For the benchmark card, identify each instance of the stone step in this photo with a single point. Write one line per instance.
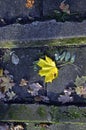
(37, 113)
(27, 86)
(43, 126)
(20, 11)
(12, 9)
(73, 42)
(74, 6)
(42, 31)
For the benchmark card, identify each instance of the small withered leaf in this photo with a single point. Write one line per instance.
(64, 7)
(23, 82)
(29, 3)
(18, 127)
(1, 72)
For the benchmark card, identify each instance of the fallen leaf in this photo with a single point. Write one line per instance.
(49, 69)
(6, 72)
(7, 82)
(33, 93)
(30, 3)
(37, 98)
(34, 88)
(2, 96)
(64, 7)
(67, 56)
(1, 72)
(10, 95)
(43, 125)
(81, 91)
(80, 81)
(23, 82)
(6, 56)
(68, 91)
(2, 89)
(18, 127)
(45, 98)
(65, 98)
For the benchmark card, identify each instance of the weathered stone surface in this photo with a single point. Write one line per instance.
(24, 112)
(68, 126)
(49, 6)
(25, 70)
(42, 31)
(44, 126)
(13, 8)
(76, 6)
(59, 126)
(42, 113)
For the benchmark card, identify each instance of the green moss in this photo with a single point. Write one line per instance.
(54, 112)
(42, 128)
(55, 42)
(71, 113)
(41, 111)
(18, 112)
(8, 44)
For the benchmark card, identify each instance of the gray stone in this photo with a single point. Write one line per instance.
(68, 73)
(76, 6)
(32, 112)
(42, 113)
(50, 5)
(68, 127)
(25, 69)
(14, 8)
(42, 31)
(59, 126)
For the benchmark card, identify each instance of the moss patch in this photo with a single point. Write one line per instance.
(8, 44)
(18, 112)
(55, 42)
(41, 111)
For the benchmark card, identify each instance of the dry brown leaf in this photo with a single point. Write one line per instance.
(43, 125)
(6, 82)
(64, 7)
(81, 91)
(17, 127)
(29, 3)
(1, 72)
(37, 98)
(23, 82)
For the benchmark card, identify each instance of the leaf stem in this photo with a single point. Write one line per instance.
(69, 63)
(46, 88)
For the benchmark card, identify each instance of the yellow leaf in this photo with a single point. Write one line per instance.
(49, 69)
